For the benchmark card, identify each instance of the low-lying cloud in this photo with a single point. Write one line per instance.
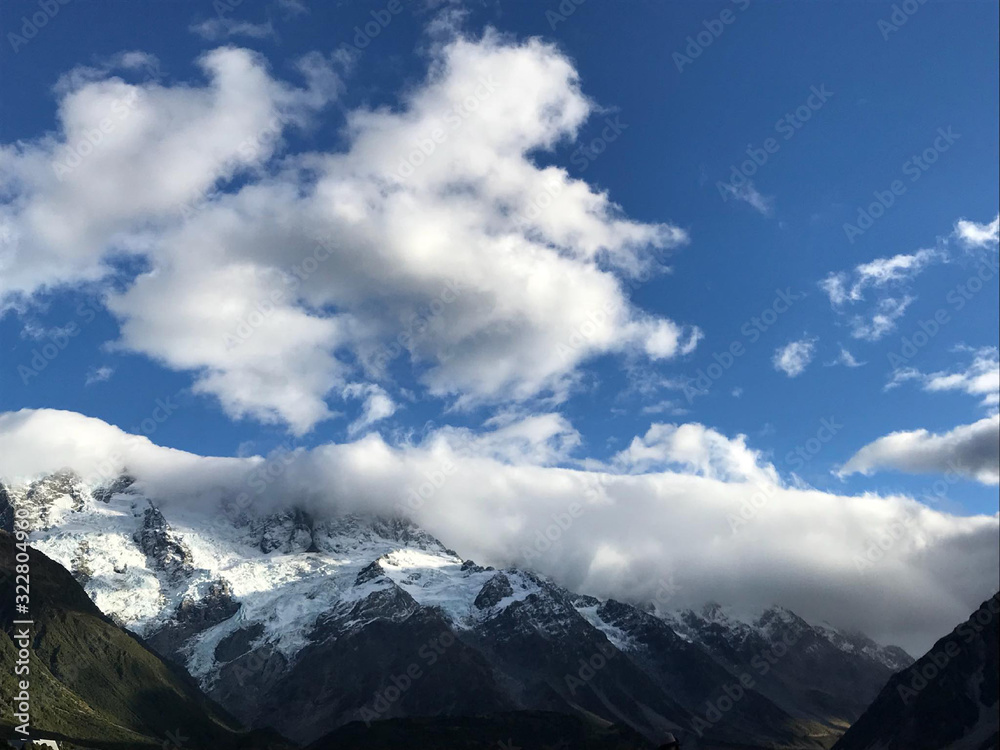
(489, 494)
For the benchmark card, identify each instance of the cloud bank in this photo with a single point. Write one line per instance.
(491, 495)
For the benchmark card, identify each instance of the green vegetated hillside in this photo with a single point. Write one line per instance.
(96, 684)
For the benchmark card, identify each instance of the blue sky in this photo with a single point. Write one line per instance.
(659, 140)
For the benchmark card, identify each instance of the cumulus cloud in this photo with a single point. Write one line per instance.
(801, 546)
(433, 239)
(695, 449)
(973, 235)
(793, 358)
(980, 378)
(847, 288)
(971, 451)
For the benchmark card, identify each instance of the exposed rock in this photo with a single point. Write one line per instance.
(161, 548)
(194, 616)
(104, 493)
(496, 589)
(238, 643)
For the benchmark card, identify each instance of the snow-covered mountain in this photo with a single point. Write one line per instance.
(305, 624)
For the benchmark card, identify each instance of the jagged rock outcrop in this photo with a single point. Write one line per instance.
(161, 548)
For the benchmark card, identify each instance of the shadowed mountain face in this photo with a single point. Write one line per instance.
(306, 625)
(811, 672)
(521, 730)
(95, 683)
(947, 699)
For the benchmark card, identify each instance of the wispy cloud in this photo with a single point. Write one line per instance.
(748, 193)
(980, 378)
(846, 359)
(848, 288)
(99, 375)
(215, 29)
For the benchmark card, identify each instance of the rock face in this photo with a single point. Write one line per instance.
(307, 623)
(162, 549)
(6, 510)
(947, 699)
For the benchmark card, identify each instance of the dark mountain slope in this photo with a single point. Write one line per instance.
(529, 730)
(946, 699)
(95, 683)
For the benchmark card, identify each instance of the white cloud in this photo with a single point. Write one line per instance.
(99, 375)
(846, 289)
(980, 378)
(378, 405)
(695, 449)
(793, 358)
(747, 193)
(846, 359)
(971, 451)
(433, 237)
(973, 235)
(800, 546)
(218, 28)
(665, 406)
(881, 319)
